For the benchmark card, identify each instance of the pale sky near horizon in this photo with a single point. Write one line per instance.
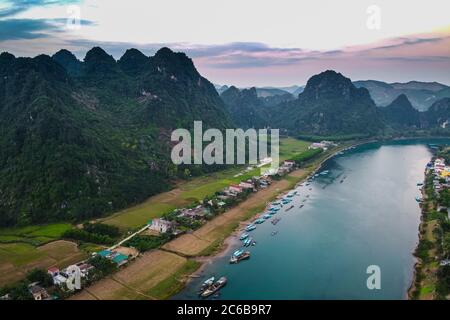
(248, 42)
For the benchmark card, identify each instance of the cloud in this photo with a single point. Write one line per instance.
(14, 7)
(13, 29)
(16, 29)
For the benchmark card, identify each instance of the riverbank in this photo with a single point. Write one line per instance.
(208, 255)
(428, 284)
(194, 250)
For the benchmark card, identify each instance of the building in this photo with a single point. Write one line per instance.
(53, 271)
(235, 188)
(38, 292)
(119, 258)
(161, 225)
(322, 145)
(246, 185)
(198, 212)
(289, 163)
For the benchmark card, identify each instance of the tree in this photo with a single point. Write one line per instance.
(39, 275)
(20, 292)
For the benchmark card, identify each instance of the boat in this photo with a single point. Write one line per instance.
(248, 242)
(275, 221)
(418, 199)
(419, 184)
(243, 236)
(259, 221)
(301, 206)
(276, 203)
(208, 282)
(250, 227)
(289, 208)
(267, 216)
(274, 209)
(243, 256)
(238, 252)
(214, 287)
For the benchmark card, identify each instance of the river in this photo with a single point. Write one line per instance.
(362, 213)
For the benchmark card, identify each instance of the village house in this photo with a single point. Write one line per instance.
(247, 186)
(38, 292)
(161, 225)
(235, 188)
(322, 145)
(197, 213)
(289, 163)
(119, 258)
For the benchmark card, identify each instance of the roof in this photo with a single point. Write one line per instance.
(53, 269)
(120, 258)
(104, 253)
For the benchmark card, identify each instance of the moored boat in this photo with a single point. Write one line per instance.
(236, 259)
(250, 227)
(243, 236)
(214, 287)
(259, 221)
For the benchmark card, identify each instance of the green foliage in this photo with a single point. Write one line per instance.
(18, 291)
(443, 286)
(306, 155)
(82, 235)
(423, 248)
(41, 276)
(145, 243)
(102, 229)
(103, 266)
(347, 137)
(82, 139)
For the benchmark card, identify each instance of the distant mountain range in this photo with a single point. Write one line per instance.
(421, 94)
(264, 92)
(331, 105)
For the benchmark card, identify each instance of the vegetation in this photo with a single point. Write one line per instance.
(335, 138)
(103, 267)
(144, 243)
(82, 139)
(307, 155)
(82, 235)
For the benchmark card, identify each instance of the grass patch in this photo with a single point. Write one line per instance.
(34, 235)
(19, 254)
(175, 282)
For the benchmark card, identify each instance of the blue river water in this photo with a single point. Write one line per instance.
(363, 212)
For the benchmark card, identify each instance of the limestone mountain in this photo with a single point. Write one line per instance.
(330, 104)
(401, 114)
(83, 138)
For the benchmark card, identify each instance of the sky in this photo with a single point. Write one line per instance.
(247, 42)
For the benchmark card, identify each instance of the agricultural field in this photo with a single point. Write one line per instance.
(16, 259)
(25, 248)
(33, 235)
(155, 275)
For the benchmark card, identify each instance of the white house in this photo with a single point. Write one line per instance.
(161, 225)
